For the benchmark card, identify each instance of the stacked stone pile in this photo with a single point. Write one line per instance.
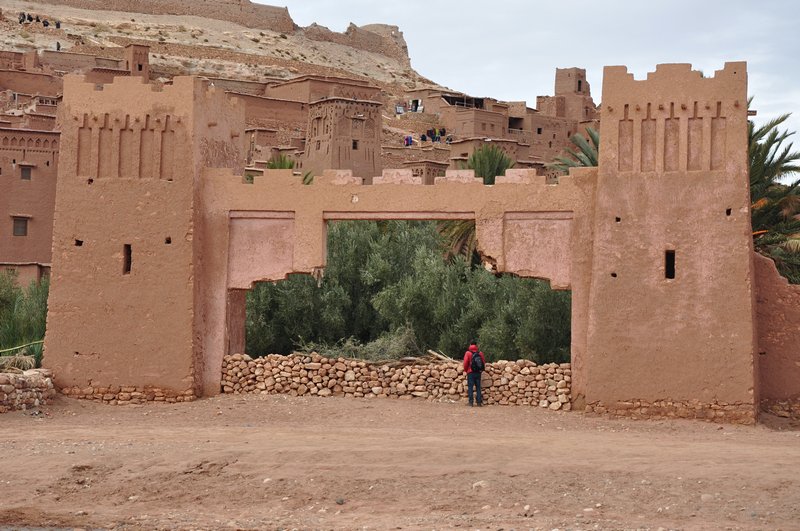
(504, 382)
(27, 390)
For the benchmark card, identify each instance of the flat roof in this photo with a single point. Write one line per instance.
(244, 94)
(351, 100)
(23, 130)
(331, 79)
(426, 161)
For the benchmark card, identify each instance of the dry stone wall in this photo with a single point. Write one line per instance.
(123, 395)
(504, 382)
(30, 389)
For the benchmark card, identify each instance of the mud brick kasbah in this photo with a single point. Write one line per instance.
(666, 320)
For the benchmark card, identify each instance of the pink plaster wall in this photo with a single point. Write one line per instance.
(778, 312)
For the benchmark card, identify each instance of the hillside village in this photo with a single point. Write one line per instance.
(320, 99)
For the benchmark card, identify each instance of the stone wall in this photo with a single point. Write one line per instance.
(122, 395)
(27, 390)
(504, 382)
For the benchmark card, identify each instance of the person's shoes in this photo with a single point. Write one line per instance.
(469, 405)
(480, 404)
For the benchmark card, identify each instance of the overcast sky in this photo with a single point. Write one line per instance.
(509, 49)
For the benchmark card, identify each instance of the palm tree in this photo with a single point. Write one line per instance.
(775, 205)
(585, 155)
(488, 162)
(280, 162)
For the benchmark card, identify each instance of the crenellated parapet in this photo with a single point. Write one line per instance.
(156, 225)
(676, 120)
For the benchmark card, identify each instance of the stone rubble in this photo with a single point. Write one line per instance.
(518, 382)
(789, 409)
(24, 391)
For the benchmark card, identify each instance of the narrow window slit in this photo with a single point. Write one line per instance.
(126, 266)
(669, 264)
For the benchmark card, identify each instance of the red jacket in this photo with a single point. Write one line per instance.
(468, 358)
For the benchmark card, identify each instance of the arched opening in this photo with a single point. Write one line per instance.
(394, 289)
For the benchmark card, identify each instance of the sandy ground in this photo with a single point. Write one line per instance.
(279, 462)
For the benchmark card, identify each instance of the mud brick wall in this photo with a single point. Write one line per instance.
(30, 389)
(504, 382)
(736, 413)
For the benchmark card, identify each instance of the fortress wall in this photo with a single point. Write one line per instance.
(241, 12)
(778, 312)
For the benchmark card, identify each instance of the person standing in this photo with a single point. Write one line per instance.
(474, 364)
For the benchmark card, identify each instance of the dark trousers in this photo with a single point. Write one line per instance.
(474, 378)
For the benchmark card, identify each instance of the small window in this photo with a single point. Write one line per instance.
(355, 144)
(25, 173)
(538, 130)
(139, 67)
(669, 264)
(20, 226)
(580, 84)
(127, 259)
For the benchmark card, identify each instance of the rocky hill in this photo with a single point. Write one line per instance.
(218, 38)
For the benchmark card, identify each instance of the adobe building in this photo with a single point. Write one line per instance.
(539, 134)
(30, 93)
(28, 166)
(665, 318)
(343, 133)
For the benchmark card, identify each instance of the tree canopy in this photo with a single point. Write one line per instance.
(392, 279)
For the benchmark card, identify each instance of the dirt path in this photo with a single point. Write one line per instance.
(274, 462)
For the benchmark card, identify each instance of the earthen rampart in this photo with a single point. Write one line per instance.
(31, 82)
(662, 315)
(778, 312)
(240, 12)
(387, 41)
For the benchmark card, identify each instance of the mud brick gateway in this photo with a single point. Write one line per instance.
(157, 237)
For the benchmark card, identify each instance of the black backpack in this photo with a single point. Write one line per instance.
(477, 364)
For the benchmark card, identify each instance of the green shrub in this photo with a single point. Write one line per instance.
(23, 314)
(388, 282)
